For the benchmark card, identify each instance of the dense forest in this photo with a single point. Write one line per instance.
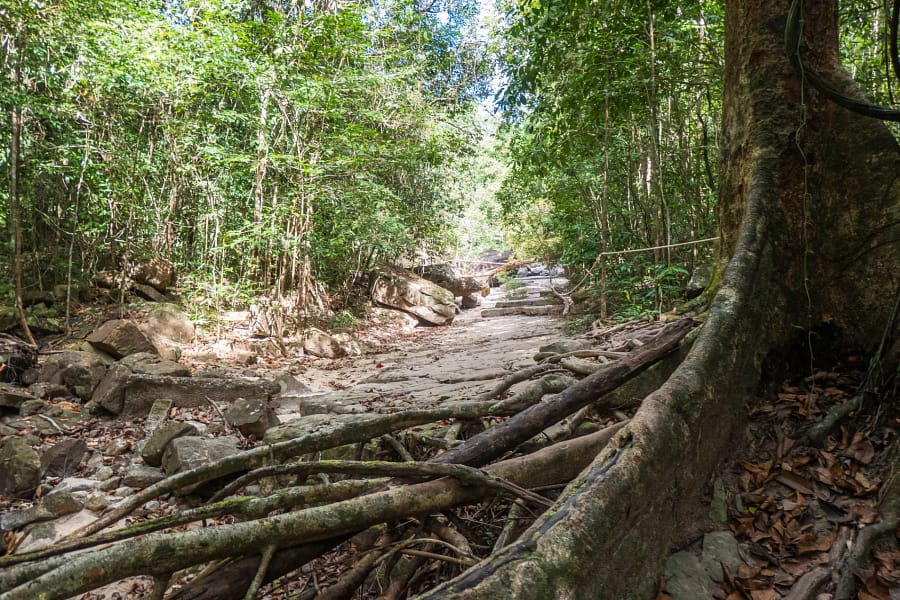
(283, 148)
(293, 161)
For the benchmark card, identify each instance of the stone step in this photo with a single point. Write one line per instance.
(531, 311)
(528, 302)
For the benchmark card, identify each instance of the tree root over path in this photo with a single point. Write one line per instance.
(324, 516)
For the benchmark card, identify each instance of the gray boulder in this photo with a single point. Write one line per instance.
(110, 393)
(699, 281)
(141, 476)
(52, 506)
(63, 458)
(252, 417)
(80, 372)
(142, 391)
(186, 453)
(319, 343)
(445, 276)
(20, 468)
(157, 272)
(471, 301)
(119, 338)
(147, 363)
(169, 321)
(76, 484)
(408, 292)
(155, 445)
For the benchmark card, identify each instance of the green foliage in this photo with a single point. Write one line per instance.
(611, 134)
(259, 146)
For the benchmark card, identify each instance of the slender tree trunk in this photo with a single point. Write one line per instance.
(14, 55)
(604, 212)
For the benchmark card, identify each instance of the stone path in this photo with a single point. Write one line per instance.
(455, 362)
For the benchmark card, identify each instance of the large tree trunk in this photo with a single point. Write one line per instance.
(808, 216)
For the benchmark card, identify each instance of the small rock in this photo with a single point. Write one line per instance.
(110, 392)
(153, 505)
(718, 507)
(471, 301)
(564, 346)
(319, 343)
(104, 473)
(155, 445)
(252, 417)
(142, 476)
(117, 447)
(76, 484)
(290, 385)
(159, 412)
(96, 502)
(686, 579)
(63, 458)
(119, 338)
(720, 548)
(123, 492)
(46, 390)
(110, 484)
(33, 407)
(20, 468)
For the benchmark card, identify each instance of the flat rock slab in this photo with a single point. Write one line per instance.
(531, 311)
(13, 397)
(528, 302)
(141, 391)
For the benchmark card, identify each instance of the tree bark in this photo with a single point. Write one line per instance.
(808, 215)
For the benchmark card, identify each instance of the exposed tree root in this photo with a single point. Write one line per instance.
(162, 554)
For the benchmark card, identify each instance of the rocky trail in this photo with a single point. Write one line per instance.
(427, 366)
(504, 388)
